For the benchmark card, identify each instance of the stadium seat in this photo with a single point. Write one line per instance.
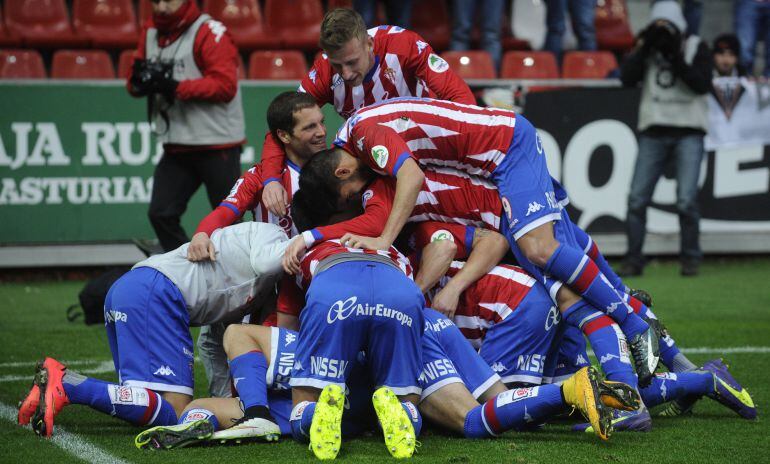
(21, 64)
(125, 61)
(613, 31)
(588, 65)
(42, 23)
(82, 64)
(430, 19)
(243, 20)
(106, 23)
(296, 22)
(529, 65)
(145, 12)
(6, 38)
(471, 64)
(287, 65)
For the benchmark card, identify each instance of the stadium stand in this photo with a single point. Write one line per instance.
(145, 11)
(42, 23)
(613, 30)
(529, 65)
(21, 64)
(296, 22)
(283, 64)
(6, 38)
(243, 20)
(431, 19)
(124, 63)
(471, 64)
(106, 23)
(588, 65)
(82, 64)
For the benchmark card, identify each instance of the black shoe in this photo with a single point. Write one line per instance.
(690, 268)
(630, 270)
(646, 352)
(642, 295)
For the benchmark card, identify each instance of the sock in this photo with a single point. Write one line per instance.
(300, 420)
(607, 340)
(248, 371)
(513, 410)
(670, 386)
(580, 273)
(196, 414)
(414, 416)
(587, 244)
(136, 405)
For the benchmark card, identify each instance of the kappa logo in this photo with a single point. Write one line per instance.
(608, 357)
(115, 316)
(581, 360)
(499, 367)
(420, 46)
(312, 75)
(297, 365)
(380, 155)
(612, 307)
(440, 235)
(437, 64)
(360, 144)
(217, 28)
(164, 371)
(534, 207)
(289, 338)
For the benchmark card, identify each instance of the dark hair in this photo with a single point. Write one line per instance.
(280, 113)
(727, 42)
(317, 198)
(338, 27)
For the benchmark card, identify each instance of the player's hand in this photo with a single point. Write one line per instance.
(293, 254)
(275, 198)
(201, 248)
(369, 243)
(446, 302)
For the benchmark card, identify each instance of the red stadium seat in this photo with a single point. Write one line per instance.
(241, 68)
(529, 65)
(82, 64)
(243, 20)
(430, 19)
(125, 62)
(296, 22)
(145, 12)
(613, 31)
(21, 64)
(287, 65)
(6, 38)
(42, 23)
(471, 64)
(588, 65)
(106, 23)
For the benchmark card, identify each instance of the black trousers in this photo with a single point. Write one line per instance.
(177, 177)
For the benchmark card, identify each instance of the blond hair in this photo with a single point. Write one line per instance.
(338, 27)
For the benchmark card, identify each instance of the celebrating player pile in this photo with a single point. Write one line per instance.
(357, 347)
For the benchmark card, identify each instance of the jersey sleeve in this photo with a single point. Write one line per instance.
(426, 232)
(434, 71)
(379, 147)
(318, 81)
(291, 298)
(217, 57)
(272, 160)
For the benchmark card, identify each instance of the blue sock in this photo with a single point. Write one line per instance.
(301, 418)
(414, 416)
(136, 405)
(607, 340)
(512, 410)
(248, 371)
(580, 273)
(587, 244)
(196, 414)
(670, 386)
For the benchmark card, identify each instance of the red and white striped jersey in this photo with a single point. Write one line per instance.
(447, 195)
(489, 300)
(433, 132)
(289, 298)
(404, 66)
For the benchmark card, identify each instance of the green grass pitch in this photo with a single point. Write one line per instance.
(727, 306)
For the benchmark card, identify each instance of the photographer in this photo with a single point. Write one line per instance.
(675, 72)
(187, 66)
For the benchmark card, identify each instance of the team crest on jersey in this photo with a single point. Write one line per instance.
(437, 64)
(441, 235)
(390, 74)
(380, 155)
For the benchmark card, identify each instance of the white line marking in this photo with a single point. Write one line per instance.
(69, 442)
(101, 368)
(727, 350)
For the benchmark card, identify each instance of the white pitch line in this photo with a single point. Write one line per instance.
(727, 350)
(101, 368)
(69, 442)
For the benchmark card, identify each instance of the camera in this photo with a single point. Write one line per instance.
(149, 75)
(664, 37)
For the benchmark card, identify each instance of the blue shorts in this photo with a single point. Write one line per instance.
(517, 347)
(572, 354)
(526, 188)
(148, 330)
(448, 358)
(356, 306)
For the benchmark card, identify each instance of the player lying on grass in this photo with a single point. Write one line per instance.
(148, 313)
(454, 380)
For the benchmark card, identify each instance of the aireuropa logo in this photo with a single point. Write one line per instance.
(341, 310)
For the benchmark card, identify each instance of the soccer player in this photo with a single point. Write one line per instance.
(360, 67)
(148, 313)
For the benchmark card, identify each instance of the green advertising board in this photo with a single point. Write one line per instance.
(76, 160)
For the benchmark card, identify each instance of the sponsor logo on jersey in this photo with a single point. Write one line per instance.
(552, 318)
(326, 367)
(367, 195)
(436, 370)
(550, 197)
(164, 371)
(507, 209)
(439, 325)
(420, 46)
(115, 316)
(531, 363)
(517, 394)
(437, 64)
(440, 235)
(341, 310)
(283, 371)
(187, 352)
(380, 155)
(534, 207)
